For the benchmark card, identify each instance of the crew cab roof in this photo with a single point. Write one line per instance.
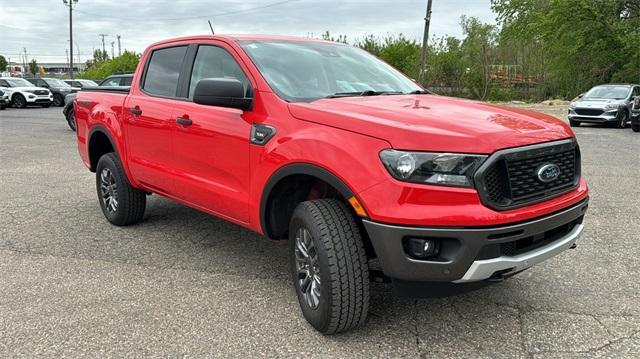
(238, 37)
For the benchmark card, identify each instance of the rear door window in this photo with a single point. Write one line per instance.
(163, 71)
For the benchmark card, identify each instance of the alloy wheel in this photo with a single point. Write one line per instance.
(307, 268)
(109, 190)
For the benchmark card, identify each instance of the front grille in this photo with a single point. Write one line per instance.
(41, 92)
(588, 111)
(510, 178)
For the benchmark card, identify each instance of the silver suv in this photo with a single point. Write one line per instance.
(605, 104)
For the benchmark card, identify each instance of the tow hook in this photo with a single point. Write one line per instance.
(573, 246)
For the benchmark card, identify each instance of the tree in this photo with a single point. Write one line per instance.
(478, 51)
(3, 64)
(127, 62)
(33, 67)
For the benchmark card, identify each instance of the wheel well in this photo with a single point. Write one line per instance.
(16, 94)
(293, 189)
(99, 144)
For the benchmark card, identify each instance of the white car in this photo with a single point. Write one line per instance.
(22, 92)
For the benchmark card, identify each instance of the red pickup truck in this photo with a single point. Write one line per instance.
(328, 147)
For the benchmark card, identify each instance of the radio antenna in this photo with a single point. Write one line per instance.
(211, 27)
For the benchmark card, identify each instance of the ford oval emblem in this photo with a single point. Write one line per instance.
(548, 173)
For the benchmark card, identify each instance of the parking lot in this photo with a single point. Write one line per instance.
(183, 283)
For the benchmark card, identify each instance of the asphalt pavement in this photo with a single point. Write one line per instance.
(185, 284)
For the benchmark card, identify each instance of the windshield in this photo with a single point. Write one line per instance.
(608, 92)
(305, 71)
(57, 83)
(17, 82)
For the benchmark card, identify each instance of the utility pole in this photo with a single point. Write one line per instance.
(66, 51)
(119, 48)
(112, 51)
(24, 69)
(70, 4)
(104, 50)
(425, 40)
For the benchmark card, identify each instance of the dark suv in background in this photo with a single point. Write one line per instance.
(117, 80)
(113, 80)
(80, 83)
(58, 88)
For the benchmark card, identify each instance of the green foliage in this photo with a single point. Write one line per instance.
(3, 64)
(548, 48)
(102, 67)
(341, 38)
(33, 67)
(573, 44)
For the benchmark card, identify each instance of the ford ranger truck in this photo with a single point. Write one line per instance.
(328, 147)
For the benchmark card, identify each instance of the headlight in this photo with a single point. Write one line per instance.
(449, 169)
(30, 91)
(572, 105)
(611, 106)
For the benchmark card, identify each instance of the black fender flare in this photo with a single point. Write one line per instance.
(298, 169)
(103, 130)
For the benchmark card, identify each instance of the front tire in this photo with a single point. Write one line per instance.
(58, 100)
(121, 204)
(329, 266)
(19, 101)
(635, 127)
(623, 118)
(71, 120)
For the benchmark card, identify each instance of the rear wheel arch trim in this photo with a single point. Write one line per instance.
(299, 168)
(102, 130)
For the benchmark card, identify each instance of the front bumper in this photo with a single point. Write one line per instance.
(469, 254)
(39, 99)
(607, 116)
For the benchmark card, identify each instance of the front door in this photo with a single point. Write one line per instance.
(212, 149)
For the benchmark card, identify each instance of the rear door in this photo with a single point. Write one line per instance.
(212, 154)
(149, 119)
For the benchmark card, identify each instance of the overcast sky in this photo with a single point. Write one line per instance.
(42, 26)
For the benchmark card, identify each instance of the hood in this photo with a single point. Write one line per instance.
(67, 89)
(596, 102)
(28, 88)
(434, 123)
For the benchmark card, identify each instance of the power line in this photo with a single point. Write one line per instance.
(139, 19)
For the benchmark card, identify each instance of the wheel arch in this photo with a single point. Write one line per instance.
(269, 224)
(100, 142)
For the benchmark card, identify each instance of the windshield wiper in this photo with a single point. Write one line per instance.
(363, 93)
(418, 92)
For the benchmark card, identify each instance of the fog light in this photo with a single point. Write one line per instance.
(421, 248)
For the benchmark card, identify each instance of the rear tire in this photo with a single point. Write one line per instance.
(2, 107)
(121, 204)
(635, 127)
(573, 123)
(71, 120)
(335, 270)
(19, 101)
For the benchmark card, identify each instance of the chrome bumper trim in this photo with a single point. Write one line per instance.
(484, 269)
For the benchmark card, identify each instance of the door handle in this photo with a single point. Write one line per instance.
(136, 110)
(184, 121)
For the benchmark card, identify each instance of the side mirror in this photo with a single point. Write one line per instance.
(222, 92)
